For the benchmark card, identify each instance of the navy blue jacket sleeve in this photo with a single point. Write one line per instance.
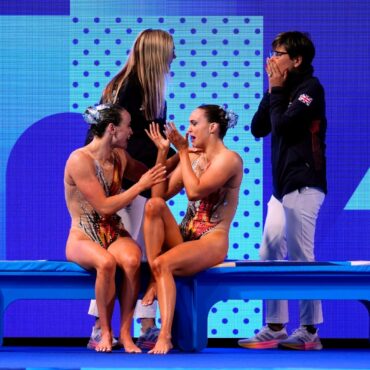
(261, 123)
(290, 114)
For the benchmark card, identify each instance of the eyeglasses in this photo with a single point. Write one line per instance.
(275, 53)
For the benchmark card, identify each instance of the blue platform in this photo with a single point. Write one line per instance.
(195, 295)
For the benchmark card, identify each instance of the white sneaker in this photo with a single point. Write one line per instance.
(301, 339)
(266, 338)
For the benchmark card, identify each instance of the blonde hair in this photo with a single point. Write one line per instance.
(150, 59)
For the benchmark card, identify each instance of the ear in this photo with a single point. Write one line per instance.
(297, 61)
(212, 127)
(111, 128)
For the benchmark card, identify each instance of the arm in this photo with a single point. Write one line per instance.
(134, 169)
(261, 123)
(163, 146)
(287, 118)
(219, 172)
(221, 169)
(81, 173)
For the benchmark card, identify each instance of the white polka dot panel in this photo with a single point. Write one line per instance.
(219, 60)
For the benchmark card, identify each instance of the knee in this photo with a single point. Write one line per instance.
(159, 266)
(132, 262)
(107, 265)
(154, 206)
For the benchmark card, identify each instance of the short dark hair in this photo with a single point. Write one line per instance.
(296, 44)
(101, 116)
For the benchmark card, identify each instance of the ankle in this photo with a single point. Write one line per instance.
(276, 327)
(166, 336)
(310, 328)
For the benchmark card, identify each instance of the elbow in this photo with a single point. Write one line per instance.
(104, 211)
(103, 214)
(256, 134)
(193, 196)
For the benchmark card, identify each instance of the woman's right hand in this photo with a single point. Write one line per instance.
(155, 135)
(153, 176)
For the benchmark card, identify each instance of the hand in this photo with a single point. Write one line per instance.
(195, 150)
(153, 176)
(177, 140)
(275, 76)
(155, 135)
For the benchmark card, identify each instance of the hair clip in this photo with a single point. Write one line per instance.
(92, 114)
(230, 116)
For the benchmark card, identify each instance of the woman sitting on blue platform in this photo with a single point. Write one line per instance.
(211, 178)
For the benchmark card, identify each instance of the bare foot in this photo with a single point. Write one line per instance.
(149, 295)
(163, 346)
(105, 345)
(129, 346)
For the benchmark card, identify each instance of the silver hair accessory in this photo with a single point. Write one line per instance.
(231, 117)
(92, 114)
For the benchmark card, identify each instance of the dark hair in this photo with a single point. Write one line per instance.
(296, 44)
(224, 118)
(101, 116)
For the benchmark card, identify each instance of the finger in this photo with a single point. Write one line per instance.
(172, 126)
(158, 132)
(167, 129)
(152, 129)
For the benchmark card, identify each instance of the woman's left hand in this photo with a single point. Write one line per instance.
(178, 141)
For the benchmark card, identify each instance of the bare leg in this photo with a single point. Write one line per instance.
(89, 254)
(166, 290)
(150, 294)
(161, 230)
(128, 255)
(184, 259)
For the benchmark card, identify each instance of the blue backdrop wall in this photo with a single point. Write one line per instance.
(56, 57)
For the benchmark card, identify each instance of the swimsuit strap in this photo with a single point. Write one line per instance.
(115, 186)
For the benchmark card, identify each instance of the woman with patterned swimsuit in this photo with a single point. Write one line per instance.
(97, 238)
(211, 178)
(203, 215)
(103, 230)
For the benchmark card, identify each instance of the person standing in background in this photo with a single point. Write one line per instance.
(292, 111)
(140, 88)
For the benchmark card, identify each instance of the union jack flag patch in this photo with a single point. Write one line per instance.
(305, 99)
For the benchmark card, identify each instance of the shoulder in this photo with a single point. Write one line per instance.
(312, 84)
(79, 159)
(79, 155)
(232, 158)
(310, 91)
(130, 87)
(79, 165)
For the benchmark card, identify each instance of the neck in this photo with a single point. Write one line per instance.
(101, 149)
(213, 148)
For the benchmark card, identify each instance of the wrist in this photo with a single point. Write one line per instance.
(140, 187)
(163, 151)
(184, 150)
